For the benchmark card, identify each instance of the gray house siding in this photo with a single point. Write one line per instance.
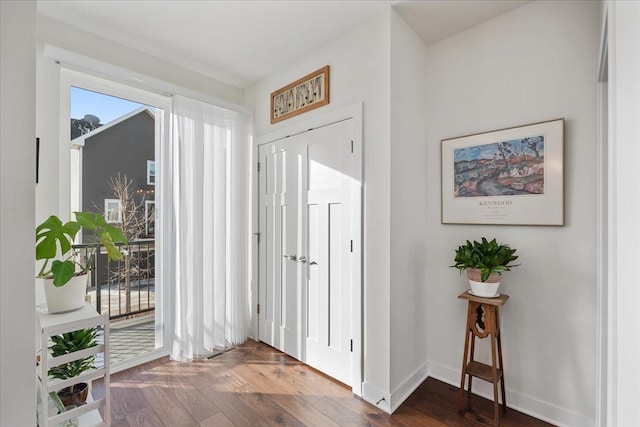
(123, 148)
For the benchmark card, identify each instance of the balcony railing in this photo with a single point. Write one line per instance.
(124, 288)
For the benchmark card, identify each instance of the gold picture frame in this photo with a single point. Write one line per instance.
(305, 94)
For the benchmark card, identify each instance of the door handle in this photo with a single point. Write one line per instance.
(302, 259)
(291, 257)
(313, 263)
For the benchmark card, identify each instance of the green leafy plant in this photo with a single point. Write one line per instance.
(52, 235)
(488, 256)
(68, 343)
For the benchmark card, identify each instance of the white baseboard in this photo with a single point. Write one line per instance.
(520, 402)
(408, 386)
(376, 397)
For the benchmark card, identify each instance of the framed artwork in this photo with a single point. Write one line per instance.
(511, 176)
(306, 93)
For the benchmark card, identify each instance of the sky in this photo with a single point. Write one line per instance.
(106, 108)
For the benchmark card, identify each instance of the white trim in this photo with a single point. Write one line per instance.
(602, 219)
(624, 210)
(107, 209)
(408, 386)
(73, 78)
(90, 66)
(350, 112)
(136, 361)
(376, 397)
(529, 405)
(164, 236)
(602, 265)
(149, 163)
(612, 371)
(147, 203)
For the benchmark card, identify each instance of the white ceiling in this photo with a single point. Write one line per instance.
(243, 41)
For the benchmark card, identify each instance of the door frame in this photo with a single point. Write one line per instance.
(84, 79)
(353, 112)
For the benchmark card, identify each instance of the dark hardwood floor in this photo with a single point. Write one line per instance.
(256, 385)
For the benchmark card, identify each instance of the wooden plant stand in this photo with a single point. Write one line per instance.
(483, 320)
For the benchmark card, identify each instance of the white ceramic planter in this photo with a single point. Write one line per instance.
(488, 289)
(69, 297)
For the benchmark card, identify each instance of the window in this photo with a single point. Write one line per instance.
(113, 210)
(151, 172)
(150, 217)
(104, 113)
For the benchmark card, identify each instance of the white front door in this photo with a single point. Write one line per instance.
(306, 216)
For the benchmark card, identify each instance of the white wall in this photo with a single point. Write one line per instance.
(84, 43)
(536, 63)
(48, 130)
(17, 190)
(360, 72)
(624, 209)
(409, 244)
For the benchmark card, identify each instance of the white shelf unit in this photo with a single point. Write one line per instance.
(56, 324)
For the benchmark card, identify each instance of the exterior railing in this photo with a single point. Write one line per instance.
(124, 288)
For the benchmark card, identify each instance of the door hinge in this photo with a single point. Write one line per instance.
(258, 308)
(352, 246)
(258, 166)
(257, 236)
(352, 346)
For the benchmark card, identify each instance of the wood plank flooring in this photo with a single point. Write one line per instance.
(256, 385)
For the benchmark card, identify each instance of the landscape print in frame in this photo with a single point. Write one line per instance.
(510, 176)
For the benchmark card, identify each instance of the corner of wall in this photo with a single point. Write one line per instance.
(521, 402)
(408, 386)
(376, 396)
(17, 207)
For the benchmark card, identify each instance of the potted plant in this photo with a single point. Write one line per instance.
(484, 261)
(65, 279)
(69, 342)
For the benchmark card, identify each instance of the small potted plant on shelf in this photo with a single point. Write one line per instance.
(70, 342)
(484, 261)
(65, 279)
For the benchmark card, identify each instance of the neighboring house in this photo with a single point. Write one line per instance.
(124, 146)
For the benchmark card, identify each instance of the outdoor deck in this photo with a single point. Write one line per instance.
(131, 338)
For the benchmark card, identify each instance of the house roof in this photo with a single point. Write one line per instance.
(80, 141)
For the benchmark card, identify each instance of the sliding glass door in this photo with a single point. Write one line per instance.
(114, 136)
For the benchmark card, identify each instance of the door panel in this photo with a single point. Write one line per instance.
(307, 303)
(278, 224)
(335, 284)
(327, 238)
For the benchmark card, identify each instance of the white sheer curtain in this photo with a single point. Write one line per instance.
(210, 169)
